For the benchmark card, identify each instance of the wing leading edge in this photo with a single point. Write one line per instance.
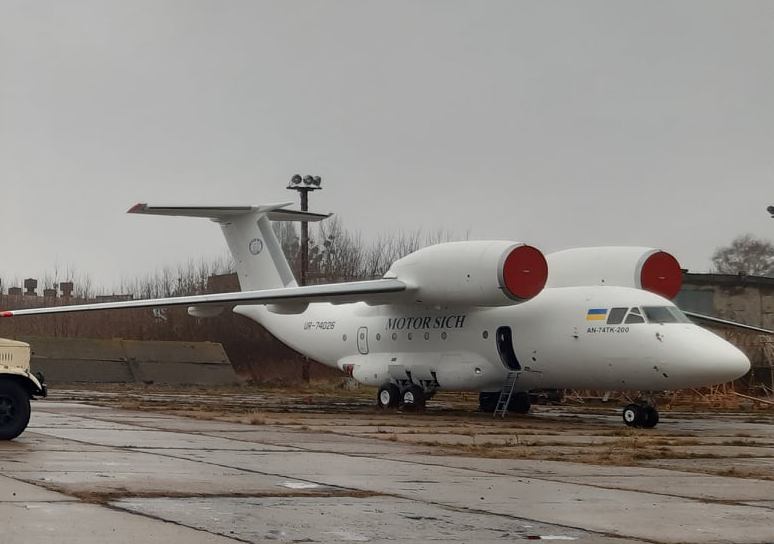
(725, 322)
(373, 291)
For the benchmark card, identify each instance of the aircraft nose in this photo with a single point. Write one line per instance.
(704, 359)
(726, 362)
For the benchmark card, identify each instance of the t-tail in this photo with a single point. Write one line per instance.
(258, 257)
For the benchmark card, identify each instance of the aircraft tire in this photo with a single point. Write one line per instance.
(650, 418)
(487, 401)
(413, 398)
(519, 403)
(14, 409)
(388, 396)
(634, 415)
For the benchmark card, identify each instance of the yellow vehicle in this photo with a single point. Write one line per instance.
(17, 386)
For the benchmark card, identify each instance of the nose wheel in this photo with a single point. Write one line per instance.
(640, 415)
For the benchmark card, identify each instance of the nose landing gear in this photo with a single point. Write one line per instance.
(643, 415)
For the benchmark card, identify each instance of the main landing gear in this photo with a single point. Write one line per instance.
(411, 397)
(643, 415)
(520, 402)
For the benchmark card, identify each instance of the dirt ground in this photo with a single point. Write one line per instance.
(739, 442)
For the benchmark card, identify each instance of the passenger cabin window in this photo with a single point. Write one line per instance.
(616, 316)
(634, 317)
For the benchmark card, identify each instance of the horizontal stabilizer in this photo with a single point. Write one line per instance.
(725, 322)
(358, 291)
(275, 212)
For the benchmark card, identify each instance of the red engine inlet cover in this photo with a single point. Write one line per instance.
(661, 274)
(524, 272)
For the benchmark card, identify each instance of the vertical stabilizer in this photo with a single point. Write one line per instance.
(258, 256)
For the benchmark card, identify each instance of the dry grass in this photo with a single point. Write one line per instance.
(570, 434)
(254, 418)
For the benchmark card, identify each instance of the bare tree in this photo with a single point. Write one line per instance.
(746, 254)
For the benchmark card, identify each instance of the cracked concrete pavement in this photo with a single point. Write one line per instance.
(85, 473)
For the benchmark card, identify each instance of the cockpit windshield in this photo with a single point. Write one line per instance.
(645, 314)
(664, 314)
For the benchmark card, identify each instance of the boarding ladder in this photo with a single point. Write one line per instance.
(506, 393)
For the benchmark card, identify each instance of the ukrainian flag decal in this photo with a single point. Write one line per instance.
(596, 314)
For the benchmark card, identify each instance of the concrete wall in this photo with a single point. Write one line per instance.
(740, 298)
(747, 299)
(71, 360)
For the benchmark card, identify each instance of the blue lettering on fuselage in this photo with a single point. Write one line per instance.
(416, 323)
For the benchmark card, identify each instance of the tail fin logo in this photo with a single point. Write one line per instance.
(256, 246)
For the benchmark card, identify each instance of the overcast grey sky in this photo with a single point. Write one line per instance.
(559, 123)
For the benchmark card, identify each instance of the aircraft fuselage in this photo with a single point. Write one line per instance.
(564, 338)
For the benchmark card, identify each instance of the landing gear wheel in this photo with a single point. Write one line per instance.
(388, 396)
(413, 398)
(487, 402)
(519, 403)
(650, 418)
(14, 409)
(634, 415)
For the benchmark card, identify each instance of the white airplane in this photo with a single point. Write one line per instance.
(490, 316)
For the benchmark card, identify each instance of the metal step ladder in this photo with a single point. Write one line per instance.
(506, 393)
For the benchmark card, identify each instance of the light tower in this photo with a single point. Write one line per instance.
(304, 186)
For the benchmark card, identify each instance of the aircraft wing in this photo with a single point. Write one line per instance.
(727, 323)
(359, 291)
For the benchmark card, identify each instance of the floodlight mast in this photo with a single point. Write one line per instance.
(304, 186)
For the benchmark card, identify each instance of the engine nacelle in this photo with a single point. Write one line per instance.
(477, 273)
(640, 267)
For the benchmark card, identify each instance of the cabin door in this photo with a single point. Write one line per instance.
(362, 340)
(504, 339)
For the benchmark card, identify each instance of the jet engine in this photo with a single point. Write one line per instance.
(473, 273)
(640, 267)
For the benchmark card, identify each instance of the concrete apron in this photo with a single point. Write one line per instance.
(85, 474)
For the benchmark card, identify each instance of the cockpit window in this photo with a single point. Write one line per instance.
(665, 314)
(616, 316)
(634, 317)
(654, 314)
(659, 314)
(681, 317)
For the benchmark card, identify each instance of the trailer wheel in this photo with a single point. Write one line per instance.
(14, 409)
